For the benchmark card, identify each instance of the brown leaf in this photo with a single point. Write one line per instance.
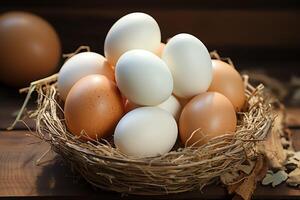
(230, 177)
(272, 147)
(275, 178)
(294, 178)
(247, 169)
(247, 187)
(263, 171)
(231, 188)
(238, 174)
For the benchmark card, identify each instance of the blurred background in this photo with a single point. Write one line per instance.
(261, 37)
(247, 31)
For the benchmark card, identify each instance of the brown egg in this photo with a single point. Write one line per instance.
(94, 104)
(227, 81)
(208, 115)
(160, 49)
(29, 48)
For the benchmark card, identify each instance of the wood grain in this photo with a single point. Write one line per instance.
(19, 174)
(21, 177)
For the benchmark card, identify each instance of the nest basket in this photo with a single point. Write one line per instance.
(180, 170)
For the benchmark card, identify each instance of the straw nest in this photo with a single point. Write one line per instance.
(182, 169)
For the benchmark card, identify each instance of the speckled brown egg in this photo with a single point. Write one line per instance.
(94, 104)
(206, 116)
(227, 81)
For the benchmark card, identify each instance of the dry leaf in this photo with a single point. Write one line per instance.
(247, 169)
(275, 178)
(268, 178)
(293, 161)
(230, 177)
(232, 188)
(247, 187)
(294, 178)
(289, 167)
(286, 144)
(272, 147)
(263, 171)
(289, 153)
(296, 156)
(238, 174)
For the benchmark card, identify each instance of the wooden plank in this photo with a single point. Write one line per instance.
(19, 174)
(21, 177)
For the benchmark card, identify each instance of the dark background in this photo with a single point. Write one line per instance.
(261, 37)
(252, 33)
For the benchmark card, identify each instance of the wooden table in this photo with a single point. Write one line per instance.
(20, 176)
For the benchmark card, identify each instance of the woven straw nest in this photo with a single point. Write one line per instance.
(182, 169)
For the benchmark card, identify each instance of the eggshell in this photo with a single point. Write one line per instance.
(143, 77)
(171, 105)
(160, 49)
(132, 31)
(146, 132)
(29, 48)
(190, 64)
(79, 66)
(94, 105)
(227, 81)
(208, 115)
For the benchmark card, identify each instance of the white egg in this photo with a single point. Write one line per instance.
(146, 132)
(171, 105)
(143, 78)
(190, 64)
(79, 66)
(132, 31)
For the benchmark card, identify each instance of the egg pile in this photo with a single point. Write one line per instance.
(147, 94)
